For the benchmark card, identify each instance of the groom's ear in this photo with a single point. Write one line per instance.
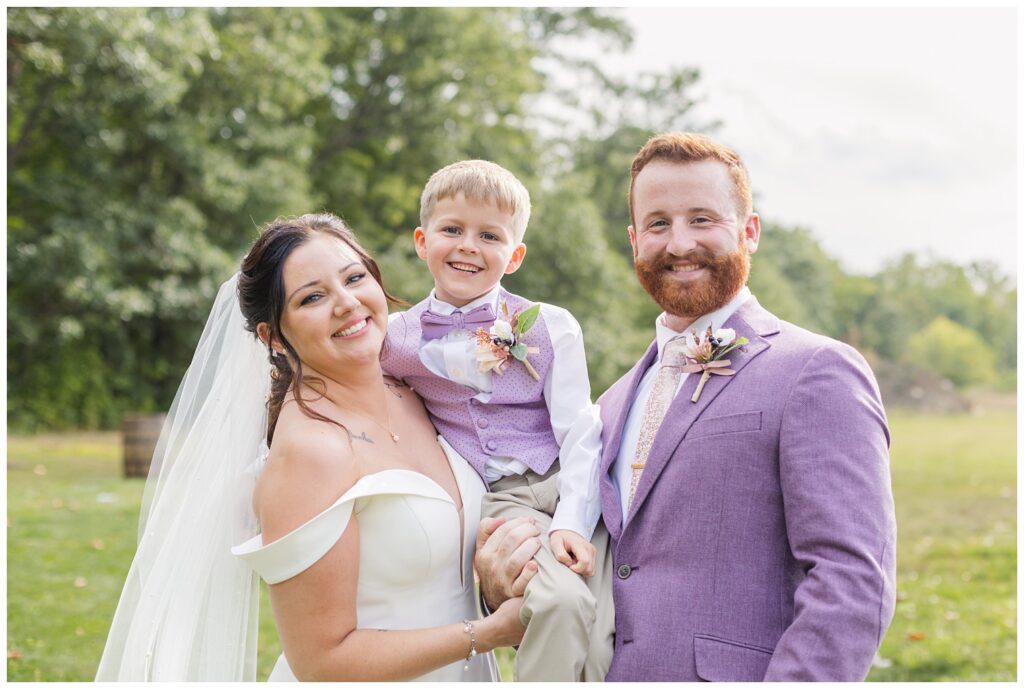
(750, 235)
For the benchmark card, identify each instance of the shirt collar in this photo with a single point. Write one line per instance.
(444, 308)
(716, 319)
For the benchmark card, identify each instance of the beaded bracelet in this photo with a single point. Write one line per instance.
(468, 628)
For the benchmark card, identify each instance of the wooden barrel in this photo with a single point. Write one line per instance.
(139, 433)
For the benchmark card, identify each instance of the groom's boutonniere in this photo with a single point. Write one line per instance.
(705, 354)
(505, 339)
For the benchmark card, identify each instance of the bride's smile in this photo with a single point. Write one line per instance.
(334, 312)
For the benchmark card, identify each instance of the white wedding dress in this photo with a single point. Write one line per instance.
(414, 570)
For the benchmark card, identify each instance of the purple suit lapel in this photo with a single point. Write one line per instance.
(750, 321)
(621, 399)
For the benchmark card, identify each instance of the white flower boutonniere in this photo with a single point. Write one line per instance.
(505, 340)
(704, 354)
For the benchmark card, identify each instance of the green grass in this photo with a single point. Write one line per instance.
(72, 519)
(956, 511)
(71, 530)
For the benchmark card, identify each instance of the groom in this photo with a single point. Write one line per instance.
(752, 521)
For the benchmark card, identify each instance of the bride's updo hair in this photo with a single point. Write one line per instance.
(261, 297)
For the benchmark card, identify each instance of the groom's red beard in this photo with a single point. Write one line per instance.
(726, 274)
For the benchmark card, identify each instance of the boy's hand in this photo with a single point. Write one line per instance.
(574, 551)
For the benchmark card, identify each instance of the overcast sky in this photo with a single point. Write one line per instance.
(881, 130)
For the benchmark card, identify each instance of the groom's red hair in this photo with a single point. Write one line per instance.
(687, 147)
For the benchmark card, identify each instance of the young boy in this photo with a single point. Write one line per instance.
(505, 382)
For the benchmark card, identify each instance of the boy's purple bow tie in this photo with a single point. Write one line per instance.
(437, 325)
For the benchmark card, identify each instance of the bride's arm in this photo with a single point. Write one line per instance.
(315, 610)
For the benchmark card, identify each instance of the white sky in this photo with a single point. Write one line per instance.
(881, 130)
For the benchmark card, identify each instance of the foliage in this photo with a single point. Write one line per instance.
(879, 314)
(427, 88)
(145, 146)
(569, 263)
(794, 278)
(139, 142)
(956, 581)
(952, 351)
(911, 291)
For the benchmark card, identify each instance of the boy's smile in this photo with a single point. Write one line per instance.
(468, 246)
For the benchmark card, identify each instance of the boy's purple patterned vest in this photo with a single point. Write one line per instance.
(514, 423)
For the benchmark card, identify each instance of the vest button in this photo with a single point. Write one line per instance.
(624, 571)
(491, 445)
(481, 423)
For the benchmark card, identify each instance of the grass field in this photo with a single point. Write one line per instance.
(71, 528)
(956, 513)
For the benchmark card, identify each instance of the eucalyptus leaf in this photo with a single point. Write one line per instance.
(738, 342)
(527, 318)
(518, 351)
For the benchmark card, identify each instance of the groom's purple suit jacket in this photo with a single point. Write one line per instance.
(761, 540)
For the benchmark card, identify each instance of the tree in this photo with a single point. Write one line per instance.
(952, 351)
(912, 290)
(569, 263)
(140, 143)
(793, 277)
(146, 146)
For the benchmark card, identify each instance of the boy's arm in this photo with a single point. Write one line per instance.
(576, 423)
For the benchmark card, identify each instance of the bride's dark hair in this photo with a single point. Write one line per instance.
(261, 297)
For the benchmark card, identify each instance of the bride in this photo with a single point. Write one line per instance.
(368, 518)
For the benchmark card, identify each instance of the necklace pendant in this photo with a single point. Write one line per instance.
(394, 437)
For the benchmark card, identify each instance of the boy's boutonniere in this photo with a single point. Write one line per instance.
(705, 354)
(505, 339)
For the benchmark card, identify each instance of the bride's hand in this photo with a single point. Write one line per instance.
(501, 628)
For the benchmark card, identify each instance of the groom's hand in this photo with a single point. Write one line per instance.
(573, 551)
(504, 558)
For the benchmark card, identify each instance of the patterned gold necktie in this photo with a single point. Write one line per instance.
(662, 393)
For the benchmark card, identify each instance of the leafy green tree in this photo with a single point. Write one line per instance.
(410, 90)
(140, 143)
(146, 145)
(995, 313)
(952, 351)
(912, 290)
(793, 277)
(604, 135)
(569, 263)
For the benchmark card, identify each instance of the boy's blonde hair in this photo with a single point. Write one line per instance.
(480, 181)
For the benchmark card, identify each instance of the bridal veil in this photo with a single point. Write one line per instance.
(190, 609)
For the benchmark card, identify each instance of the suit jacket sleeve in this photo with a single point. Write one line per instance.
(840, 519)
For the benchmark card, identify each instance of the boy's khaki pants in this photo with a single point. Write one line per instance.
(570, 619)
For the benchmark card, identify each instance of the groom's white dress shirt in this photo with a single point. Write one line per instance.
(623, 473)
